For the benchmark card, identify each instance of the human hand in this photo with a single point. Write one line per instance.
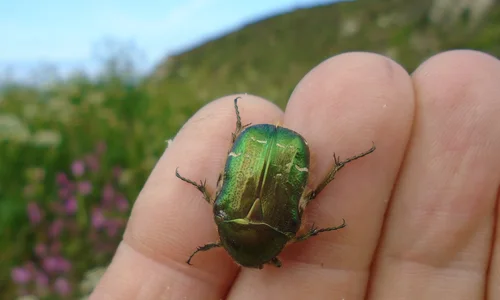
(421, 211)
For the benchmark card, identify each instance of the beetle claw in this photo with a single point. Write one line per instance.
(336, 159)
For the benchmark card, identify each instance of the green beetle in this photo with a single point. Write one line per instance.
(262, 193)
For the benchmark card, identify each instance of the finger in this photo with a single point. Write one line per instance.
(438, 233)
(170, 218)
(341, 106)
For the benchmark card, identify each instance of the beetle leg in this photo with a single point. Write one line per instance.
(203, 248)
(331, 175)
(315, 231)
(200, 186)
(275, 262)
(239, 127)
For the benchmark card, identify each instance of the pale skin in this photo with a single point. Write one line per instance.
(421, 211)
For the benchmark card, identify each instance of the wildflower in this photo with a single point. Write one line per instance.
(50, 264)
(62, 287)
(64, 192)
(71, 205)
(56, 228)
(52, 275)
(28, 297)
(92, 162)
(78, 168)
(122, 204)
(63, 265)
(46, 138)
(12, 128)
(84, 188)
(107, 195)
(41, 250)
(98, 220)
(41, 279)
(62, 179)
(21, 275)
(56, 264)
(112, 227)
(34, 213)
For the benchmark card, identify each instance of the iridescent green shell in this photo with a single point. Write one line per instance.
(257, 204)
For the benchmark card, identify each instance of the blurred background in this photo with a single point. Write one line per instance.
(91, 90)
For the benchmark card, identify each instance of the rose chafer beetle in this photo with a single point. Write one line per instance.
(262, 193)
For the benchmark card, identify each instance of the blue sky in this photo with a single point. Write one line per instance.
(65, 33)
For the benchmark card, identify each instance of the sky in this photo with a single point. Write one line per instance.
(69, 34)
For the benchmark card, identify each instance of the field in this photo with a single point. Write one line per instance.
(74, 153)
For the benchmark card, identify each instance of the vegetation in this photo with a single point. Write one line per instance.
(74, 153)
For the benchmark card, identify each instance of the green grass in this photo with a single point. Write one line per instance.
(49, 127)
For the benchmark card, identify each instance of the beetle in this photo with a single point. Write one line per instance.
(262, 193)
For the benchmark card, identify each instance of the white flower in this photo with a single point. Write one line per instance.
(28, 297)
(46, 138)
(13, 129)
(349, 27)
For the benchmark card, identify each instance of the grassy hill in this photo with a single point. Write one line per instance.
(114, 127)
(269, 57)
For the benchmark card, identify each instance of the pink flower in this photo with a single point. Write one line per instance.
(56, 228)
(49, 264)
(63, 265)
(84, 188)
(64, 193)
(112, 228)
(62, 179)
(107, 195)
(71, 205)
(62, 286)
(98, 220)
(56, 264)
(21, 275)
(41, 279)
(34, 213)
(122, 204)
(92, 162)
(78, 168)
(41, 250)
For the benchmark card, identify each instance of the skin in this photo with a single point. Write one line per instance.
(421, 211)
